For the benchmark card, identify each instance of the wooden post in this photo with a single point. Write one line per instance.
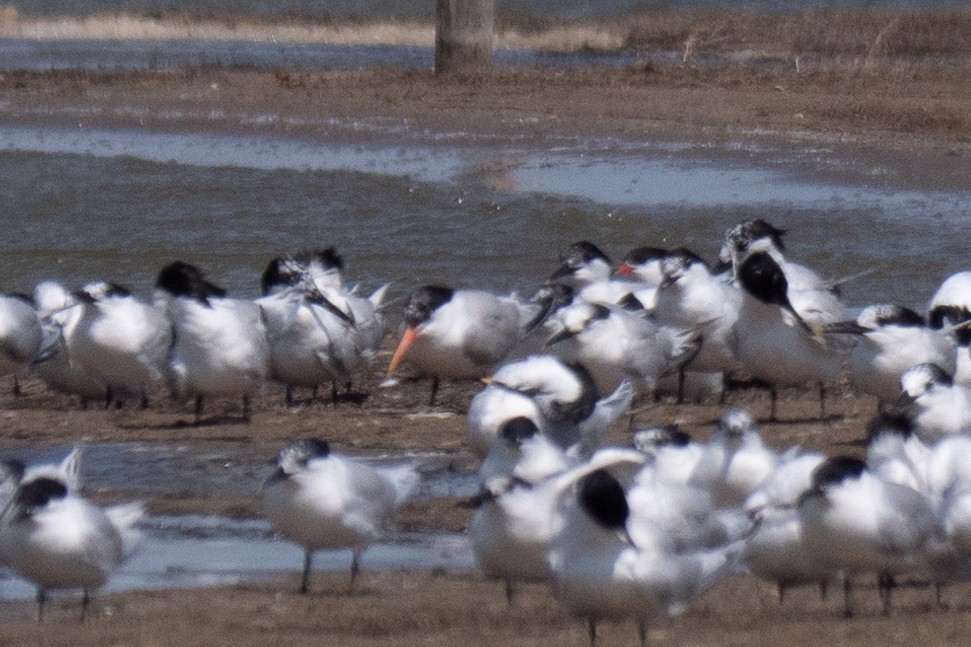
(463, 35)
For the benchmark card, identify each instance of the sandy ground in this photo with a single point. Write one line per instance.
(927, 114)
(439, 608)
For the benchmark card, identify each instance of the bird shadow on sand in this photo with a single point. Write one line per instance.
(810, 420)
(212, 421)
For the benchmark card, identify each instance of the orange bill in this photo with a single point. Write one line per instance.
(625, 269)
(407, 340)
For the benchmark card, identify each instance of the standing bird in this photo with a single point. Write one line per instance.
(734, 462)
(690, 297)
(892, 340)
(588, 270)
(318, 332)
(855, 522)
(778, 333)
(322, 500)
(560, 398)
(60, 312)
(949, 307)
(220, 346)
(58, 540)
(600, 570)
(119, 341)
(459, 333)
(615, 344)
(934, 404)
(21, 336)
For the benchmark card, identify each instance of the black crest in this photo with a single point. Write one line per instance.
(581, 408)
(517, 430)
(39, 492)
(762, 277)
(184, 280)
(641, 255)
(328, 258)
(424, 301)
(835, 470)
(602, 497)
(889, 422)
(576, 256)
(741, 236)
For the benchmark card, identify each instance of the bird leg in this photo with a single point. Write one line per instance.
(592, 632)
(288, 396)
(822, 401)
(246, 409)
(847, 590)
(355, 568)
(85, 604)
(198, 410)
(510, 592)
(431, 399)
(887, 584)
(305, 581)
(41, 599)
(773, 397)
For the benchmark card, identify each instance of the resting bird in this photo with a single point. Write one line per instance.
(322, 500)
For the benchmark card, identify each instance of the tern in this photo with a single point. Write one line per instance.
(459, 333)
(220, 346)
(59, 540)
(322, 500)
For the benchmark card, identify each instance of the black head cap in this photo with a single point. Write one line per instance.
(576, 256)
(741, 235)
(640, 255)
(762, 277)
(39, 492)
(580, 409)
(516, 430)
(279, 272)
(327, 257)
(892, 422)
(424, 301)
(602, 497)
(294, 456)
(835, 470)
(949, 315)
(184, 280)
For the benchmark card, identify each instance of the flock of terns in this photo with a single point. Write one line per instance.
(618, 532)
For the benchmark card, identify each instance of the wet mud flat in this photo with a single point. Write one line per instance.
(429, 604)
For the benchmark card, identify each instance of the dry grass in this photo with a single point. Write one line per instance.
(863, 39)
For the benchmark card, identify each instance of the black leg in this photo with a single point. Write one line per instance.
(355, 568)
(431, 400)
(85, 604)
(198, 410)
(305, 581)
(41, 599)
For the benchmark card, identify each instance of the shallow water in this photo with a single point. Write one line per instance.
(411, 207)
(490, 212)
(122, 54)
(200, 550)
(425, 8)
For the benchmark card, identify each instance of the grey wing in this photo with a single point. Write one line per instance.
(495, 334)
(904, 532)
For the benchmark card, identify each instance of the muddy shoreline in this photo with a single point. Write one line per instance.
(887, 113)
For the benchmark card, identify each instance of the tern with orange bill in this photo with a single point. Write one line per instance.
(459, 333)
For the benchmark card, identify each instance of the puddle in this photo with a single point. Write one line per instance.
(199, 551)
